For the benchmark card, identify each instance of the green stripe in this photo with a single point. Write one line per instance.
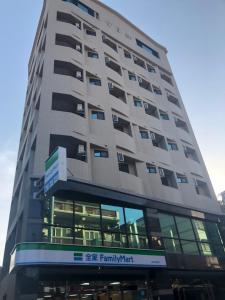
(61, 247)
(50, 161)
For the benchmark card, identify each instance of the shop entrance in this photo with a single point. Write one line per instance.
(93, 290)
(194, 292)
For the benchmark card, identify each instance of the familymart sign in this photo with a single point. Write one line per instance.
(57, 254)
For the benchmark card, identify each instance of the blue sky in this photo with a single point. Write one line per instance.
(193, 32)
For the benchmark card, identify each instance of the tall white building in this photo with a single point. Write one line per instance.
(137, 184)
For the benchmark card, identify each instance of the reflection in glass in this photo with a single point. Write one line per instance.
(87, 215)
(138, 241)
(168, 227)
(112, 218)
(59, 235)
(62, 212)
(205, 249)
(185, 228)
(114, 240)
(190, 248)
(200, 231)
(172, 245)
(88, 237)
(135, 221)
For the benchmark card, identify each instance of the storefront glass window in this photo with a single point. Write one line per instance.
(172, 245)
(135, 221)
(189, 247)
(88, 237)
(87, 215)
(115, 239)
(113, 218)
(92, 224)
(200, 231)
(185, 228)
(168, 227)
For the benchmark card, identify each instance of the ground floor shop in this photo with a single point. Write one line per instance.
(66, 283)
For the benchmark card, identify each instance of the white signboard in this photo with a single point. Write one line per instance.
(55, 168)
(54, 254)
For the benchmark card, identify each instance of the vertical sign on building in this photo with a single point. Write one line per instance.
(55, 168)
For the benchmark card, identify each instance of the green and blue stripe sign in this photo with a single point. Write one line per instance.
(58, 254)
(55, 168)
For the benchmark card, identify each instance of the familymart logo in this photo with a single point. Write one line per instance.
(78, 256)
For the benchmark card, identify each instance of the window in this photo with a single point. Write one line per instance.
(144, 134)
(94, 224)
(106, 40)
(95, 81)
(167, 178)
(117, 92)
(201, 188)
(167, 78)
(144, 84)
(90, 32)
(172, 145)
(101, 153)
(190, 153)
(68, 69)
(121, 125)
(132, 76)
(97, 115)
(139, 62)
(173, 100)
(158, 140)
(151, 169)
(137, 102)
(113, 65)
(126, 164)
(82, 6)
(190, 236)
(181, 178)
(147, 48)
(127, 54)
(76, 149)
(151, 110)
(67, 18)
(67, 103)
(181, 124)
(67, 41)
(163, 115)
(157, 90)
(151, 69)
(92, 54)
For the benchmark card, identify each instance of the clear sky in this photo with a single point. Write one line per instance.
(193, 32)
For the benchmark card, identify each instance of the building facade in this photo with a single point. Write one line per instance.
(137, 217)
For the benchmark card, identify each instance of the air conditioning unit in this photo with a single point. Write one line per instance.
(153, 137)
(80, 107)
(161, 172)
(135, 58)
(110, 85)
(140, 79)
(77, 25)
(120, 157)
(81, 149)
(104, 37)
(107, 59)
(146, 105)
(78, 74)
(115, 119)
(78, 47)
(38, 195)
